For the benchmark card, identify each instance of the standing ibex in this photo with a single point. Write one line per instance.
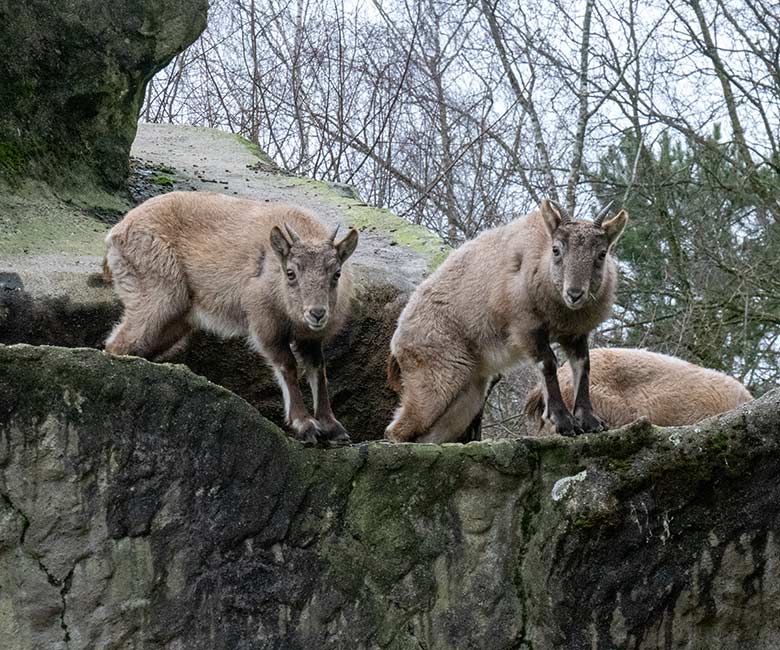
(626, 383)
(498, 299)
(268, 272)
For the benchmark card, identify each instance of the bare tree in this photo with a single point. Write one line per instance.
(458, 115)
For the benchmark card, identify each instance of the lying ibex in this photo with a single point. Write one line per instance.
(499, 299)
(269, 272)
(627, 383)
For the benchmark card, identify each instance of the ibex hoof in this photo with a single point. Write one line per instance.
(566, 425)
(341, 440)
(332, 434)
(590, 422)
(306, 431)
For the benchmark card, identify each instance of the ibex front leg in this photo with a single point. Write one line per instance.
(554, 408)
(579, 360)
(314, 362)
(282, 360)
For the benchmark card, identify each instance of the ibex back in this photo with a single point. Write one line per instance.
(269, 272)
(627, 383)
(499, 299)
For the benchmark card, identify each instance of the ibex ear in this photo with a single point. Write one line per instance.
(552, 215)
(279, 243)
(347, 246)
(614, 227)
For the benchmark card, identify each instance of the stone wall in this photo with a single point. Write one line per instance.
(141, 506)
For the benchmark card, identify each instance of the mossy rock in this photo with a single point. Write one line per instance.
(141, 505)
(72, 81)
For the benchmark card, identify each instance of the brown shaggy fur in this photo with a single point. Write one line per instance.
(393, 374)
(107, 277)
(627, 383)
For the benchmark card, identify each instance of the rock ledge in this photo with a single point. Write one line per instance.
(142, 506)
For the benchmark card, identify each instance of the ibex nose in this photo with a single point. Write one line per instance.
(574, 294)
(318, 313)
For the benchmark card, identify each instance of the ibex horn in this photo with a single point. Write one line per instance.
(565, 216)
(294, 237)
(334, 233)
(601, 215)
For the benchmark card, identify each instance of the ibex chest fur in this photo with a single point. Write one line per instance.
(497, 300)
(270, 273)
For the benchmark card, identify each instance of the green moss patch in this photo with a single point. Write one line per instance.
(258, 153)
(162, 181)
(34, 220)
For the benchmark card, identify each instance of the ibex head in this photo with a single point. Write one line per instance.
(311, 273)
(579, 251)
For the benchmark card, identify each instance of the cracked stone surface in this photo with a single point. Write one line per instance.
(143, 507)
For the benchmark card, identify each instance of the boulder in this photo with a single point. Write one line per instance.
(72, 81)
(143, 506)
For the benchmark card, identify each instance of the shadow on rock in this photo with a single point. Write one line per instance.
(55, 320)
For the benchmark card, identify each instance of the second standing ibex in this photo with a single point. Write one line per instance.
(499, 299)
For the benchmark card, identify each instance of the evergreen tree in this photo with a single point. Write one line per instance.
(701, 256)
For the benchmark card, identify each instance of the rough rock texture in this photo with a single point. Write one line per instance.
(50, 292)
(143, 507)
(72, 80)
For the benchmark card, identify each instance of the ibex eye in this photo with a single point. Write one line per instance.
(602, 255)
(556, 251)
(337, 275)
(290, 275)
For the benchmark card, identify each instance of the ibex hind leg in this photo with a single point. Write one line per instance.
(152, 288)
(180, 333)
(454, 422)
(427, 394)
(474, 430)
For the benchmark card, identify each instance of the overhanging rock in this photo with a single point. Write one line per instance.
(72, 81)
(142, 506)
